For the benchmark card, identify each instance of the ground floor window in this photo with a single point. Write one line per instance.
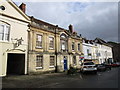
(39, 61)
(52, 61)
(74, 60)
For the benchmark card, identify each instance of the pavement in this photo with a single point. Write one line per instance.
(107, 79)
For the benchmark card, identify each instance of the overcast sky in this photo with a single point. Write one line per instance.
(91, 19)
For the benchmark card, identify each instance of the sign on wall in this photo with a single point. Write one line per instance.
(81, 57)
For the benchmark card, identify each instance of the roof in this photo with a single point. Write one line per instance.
(18, 9)
(100, 41)
(50, 27)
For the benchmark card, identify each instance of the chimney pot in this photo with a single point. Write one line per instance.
(23, 7)
(71, 28)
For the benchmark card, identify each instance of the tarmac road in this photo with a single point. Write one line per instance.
(107, 79)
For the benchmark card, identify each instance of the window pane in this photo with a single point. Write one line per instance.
(1, 28)
(39, 38)
(73, 46)
(63, 46)
(52, 61)
(6, 37)
(7, 30)
(74, 60)
(51, 42)
(39, 61)
(1, 36)
(78, 47)
(39, 41)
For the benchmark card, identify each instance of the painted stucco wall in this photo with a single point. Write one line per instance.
(18, 29)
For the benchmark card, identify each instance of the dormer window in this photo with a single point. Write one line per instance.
(4, 32)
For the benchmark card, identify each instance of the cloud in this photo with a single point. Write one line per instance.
(91, 19)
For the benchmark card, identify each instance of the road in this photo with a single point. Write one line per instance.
(107, 79)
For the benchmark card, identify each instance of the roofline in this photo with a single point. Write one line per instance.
(46, 23)
(18, 9)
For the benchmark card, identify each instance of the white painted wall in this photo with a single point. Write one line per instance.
(105, 52)
(18, 29)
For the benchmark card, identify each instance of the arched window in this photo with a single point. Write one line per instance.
(64, 42)
(4, 31)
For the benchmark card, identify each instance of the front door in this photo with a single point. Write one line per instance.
(65, 64)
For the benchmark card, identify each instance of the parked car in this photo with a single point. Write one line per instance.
(101, 67)
(118, 64)
(107, 66)
(115, 64)
(88, 67)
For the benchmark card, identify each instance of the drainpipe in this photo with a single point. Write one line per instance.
(56, 48)
(28, 49)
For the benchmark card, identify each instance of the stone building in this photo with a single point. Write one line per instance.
(52, 48)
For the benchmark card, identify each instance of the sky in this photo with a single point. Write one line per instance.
(91, 19)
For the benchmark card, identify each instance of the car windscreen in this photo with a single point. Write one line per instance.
(89, 63)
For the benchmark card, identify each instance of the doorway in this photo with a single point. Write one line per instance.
(15, 64)
(65, 63)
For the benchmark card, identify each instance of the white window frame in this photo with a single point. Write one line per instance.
(39, 40)
(50, 42)
(36, 62)
(63, 45)
(50, 62)
(4, 32)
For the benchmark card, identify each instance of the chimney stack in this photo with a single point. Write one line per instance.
(71, 28)
(23, 7)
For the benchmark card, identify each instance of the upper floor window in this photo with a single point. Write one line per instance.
(63, 44)
(4, 32)
(51, 42)
(63, 41)
(88, 52)
(39, 41)
(78, 46)
(73, 46)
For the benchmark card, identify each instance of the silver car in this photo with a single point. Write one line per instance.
(88, 67)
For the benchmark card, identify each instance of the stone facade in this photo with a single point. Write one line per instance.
(61, 50)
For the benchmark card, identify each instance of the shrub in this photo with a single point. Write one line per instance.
(72, 70)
